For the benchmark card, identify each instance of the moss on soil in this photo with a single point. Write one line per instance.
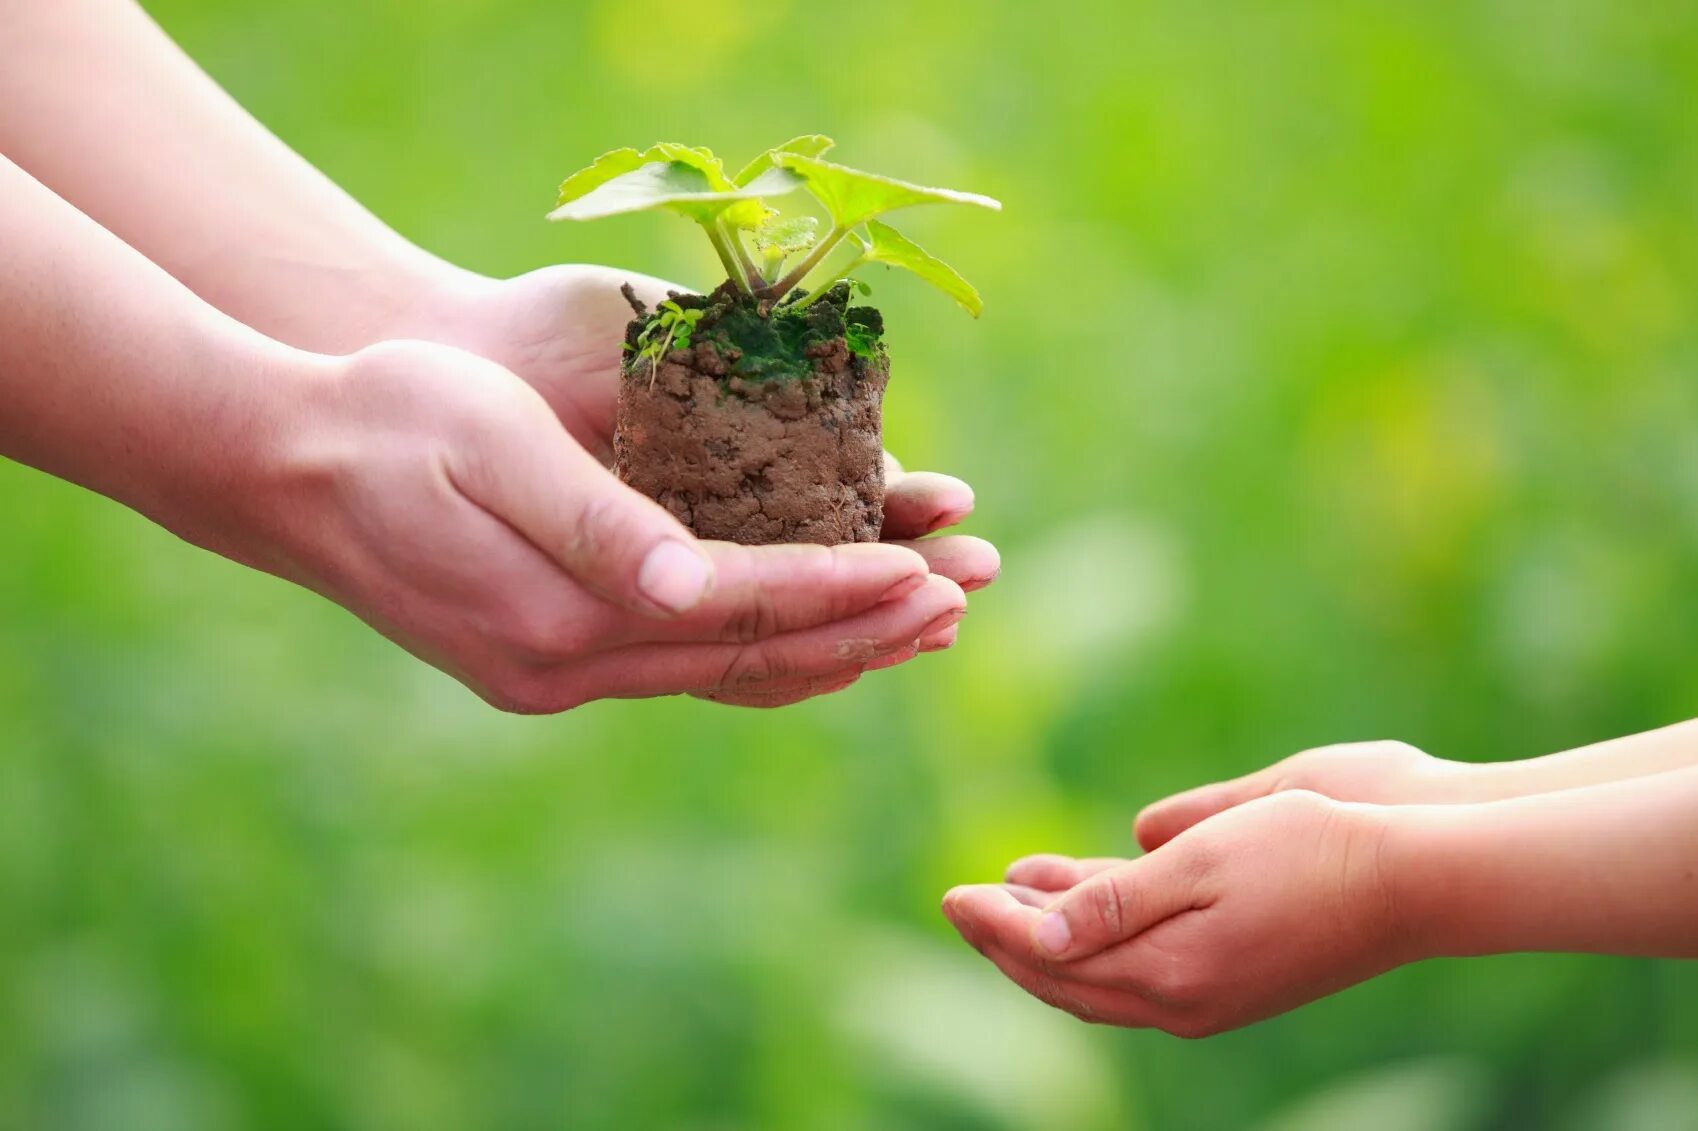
(759, 342)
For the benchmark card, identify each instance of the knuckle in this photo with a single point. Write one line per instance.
(1399, 753)
(1108, 903)
(752, 666)
(587, 528)
(1299, 803)
(755, 619)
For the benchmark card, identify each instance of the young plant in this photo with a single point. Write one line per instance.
(753, 242)
(671, 328)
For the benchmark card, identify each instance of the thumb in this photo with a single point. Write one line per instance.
(621, 546)
(1160, 822)
(1115, 905)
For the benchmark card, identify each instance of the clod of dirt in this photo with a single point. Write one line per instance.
(768, 429)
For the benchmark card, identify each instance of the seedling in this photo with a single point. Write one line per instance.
(731, 210)
(671, 328)
(716, 388)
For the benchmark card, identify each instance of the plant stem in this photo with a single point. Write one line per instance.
(785, 285)
(733, 269)
(750, 272)
(836, 276)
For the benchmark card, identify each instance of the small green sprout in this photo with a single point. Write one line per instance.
(672, 328)
(767, 256)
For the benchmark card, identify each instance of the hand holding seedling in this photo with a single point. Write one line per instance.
(427, 490)
(1261, 894)
(431, 491)
(553, 327)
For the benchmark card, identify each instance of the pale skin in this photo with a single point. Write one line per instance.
(1257, 895)
(197, 323)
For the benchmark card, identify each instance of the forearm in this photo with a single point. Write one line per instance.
(1612, 868)
(98, 104)
(114, 376)
(1620, 759)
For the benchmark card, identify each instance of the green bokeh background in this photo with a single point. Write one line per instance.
(1339, 380)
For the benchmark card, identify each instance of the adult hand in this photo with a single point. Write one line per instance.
(560, 328)
(1248, 914)
(437, 497)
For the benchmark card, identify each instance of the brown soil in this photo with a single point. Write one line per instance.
(779, 459)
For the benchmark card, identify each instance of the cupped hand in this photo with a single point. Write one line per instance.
(560, 329)
(437, 497)
(1381, 773)
(1248, 914)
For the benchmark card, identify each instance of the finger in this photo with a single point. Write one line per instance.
(620, 545)
(1030, 897)
(919, 502)
(1162, 821)
(940, 641)
(989, 913)
(1139, 967)
(994, 921)
(1057, 873)
(642, 670)
(1116, 904)
(765, 591)
(900, 656)
(788, 695)
(1095, 1004)
(971, 563)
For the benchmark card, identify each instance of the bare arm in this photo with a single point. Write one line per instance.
(1395, 773)
(97, 103)
(1611, 869)
(1652, 752)
(107, 365)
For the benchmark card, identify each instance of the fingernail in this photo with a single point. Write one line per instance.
(675, 577)
(951, 617)
(1052, 933)
(904, 587)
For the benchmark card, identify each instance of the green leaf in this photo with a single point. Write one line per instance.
(600, 171)
(853, 197)
(787, 237)
(680, 185)
(621, 161)
(891, 247)
(695, 156)
(808, 145)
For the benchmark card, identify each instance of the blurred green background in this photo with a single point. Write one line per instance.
(1339, 381)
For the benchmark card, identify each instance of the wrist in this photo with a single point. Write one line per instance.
(229, 444)
(340, 298)
(1443, 882)
(419, 299)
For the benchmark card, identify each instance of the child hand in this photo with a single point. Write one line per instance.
(1382, 773)
(1245, 915)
